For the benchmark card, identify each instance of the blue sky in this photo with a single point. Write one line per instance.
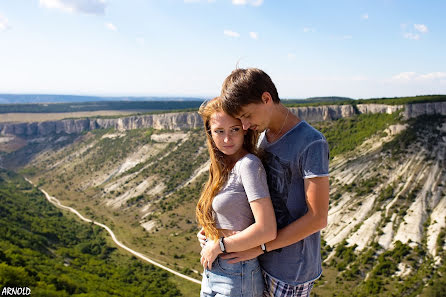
(355, 48)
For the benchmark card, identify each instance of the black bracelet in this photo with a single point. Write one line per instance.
(222, 245)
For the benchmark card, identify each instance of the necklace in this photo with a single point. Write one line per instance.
(283, 124)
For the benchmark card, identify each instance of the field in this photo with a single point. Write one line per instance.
(41, 117)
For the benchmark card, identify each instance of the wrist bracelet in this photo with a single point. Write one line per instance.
(263, 247)
(222, 245)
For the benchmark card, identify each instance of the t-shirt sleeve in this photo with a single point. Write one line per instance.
(253, 176)
(314, 159)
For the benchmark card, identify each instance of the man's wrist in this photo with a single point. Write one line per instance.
(221, 244)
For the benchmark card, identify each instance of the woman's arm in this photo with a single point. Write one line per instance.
(264, 229)
(317, 196)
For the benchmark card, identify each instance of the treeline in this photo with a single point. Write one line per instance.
(403, 100)
(316, 101)
(192, 105)
(344, 101)
(58, 98)
(54, 255)
(154, 106)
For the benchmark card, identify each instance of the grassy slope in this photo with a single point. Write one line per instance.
(371, 272)
(55, 255)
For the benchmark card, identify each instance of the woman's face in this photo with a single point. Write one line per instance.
(227, 133)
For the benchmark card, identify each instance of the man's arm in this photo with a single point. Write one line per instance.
(317, 197)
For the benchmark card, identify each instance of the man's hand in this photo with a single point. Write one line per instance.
(201, 237)
(243, 256)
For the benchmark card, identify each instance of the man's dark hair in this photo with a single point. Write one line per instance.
(246, 86)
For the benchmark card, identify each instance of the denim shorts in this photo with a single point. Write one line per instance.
(243, 279)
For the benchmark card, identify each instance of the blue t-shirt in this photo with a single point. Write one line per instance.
(300, 153)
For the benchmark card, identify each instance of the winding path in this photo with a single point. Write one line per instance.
(57, 203)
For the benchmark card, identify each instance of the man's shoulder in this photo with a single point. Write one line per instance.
(305, 133)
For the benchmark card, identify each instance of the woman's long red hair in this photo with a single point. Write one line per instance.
(219, 169)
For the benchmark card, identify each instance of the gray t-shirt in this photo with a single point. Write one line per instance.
(299, 154)
(246, 183)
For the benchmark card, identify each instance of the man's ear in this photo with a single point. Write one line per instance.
(266, 97)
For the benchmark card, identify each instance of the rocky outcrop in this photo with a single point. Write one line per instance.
(378, 108)
(191, 120)
(168, 121)
(415, 110)
(323, 113)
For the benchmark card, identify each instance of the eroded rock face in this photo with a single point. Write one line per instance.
(191, 120)
(415, 110)
(378, 108)
(168, 121)
(323, 113)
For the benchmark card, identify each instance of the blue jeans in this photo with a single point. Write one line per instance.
(241, 279)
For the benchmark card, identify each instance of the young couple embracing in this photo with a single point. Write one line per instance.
(266, 200)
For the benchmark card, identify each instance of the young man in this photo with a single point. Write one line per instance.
(296, 162)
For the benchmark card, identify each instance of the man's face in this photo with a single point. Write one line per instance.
(254, 116)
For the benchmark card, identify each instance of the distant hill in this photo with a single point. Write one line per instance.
(47, 98)
(144, 106)
(69, 103)
(333, 99)
(314, 101)
(403, 100)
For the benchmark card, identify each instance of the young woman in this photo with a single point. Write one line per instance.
(235, 209)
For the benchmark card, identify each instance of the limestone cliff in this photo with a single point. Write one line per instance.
(414, 110)
(191, 120)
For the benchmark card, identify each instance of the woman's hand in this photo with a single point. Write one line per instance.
(202, 237)
(209, 253)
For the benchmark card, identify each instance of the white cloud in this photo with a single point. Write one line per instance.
(110, 26)
(421, 28)
(231, 33)
(4, 25)
(291, 56)
(365, 16)
(412, 36)
(404, 76)
(83, 6)
(309, 29)
(432, 76)
(251, 2)
(254, 35)
(413, 76)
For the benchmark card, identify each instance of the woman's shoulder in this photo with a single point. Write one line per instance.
(249, 157)
(249, 161)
